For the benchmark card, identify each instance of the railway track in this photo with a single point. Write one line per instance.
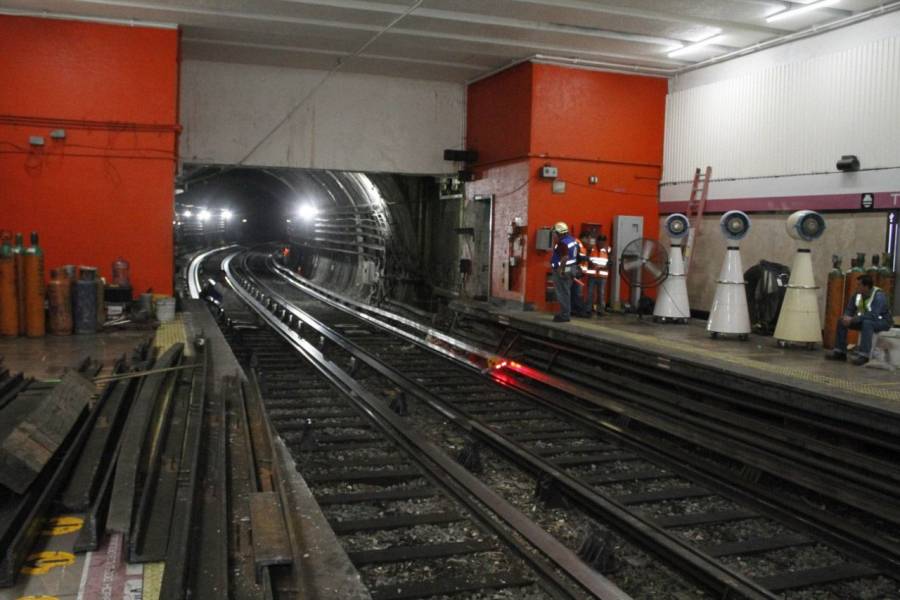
(714, 533)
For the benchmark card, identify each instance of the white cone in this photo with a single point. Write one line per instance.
(729, 312)
(799, 319)
(672, 299)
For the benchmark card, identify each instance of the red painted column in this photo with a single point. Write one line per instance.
(587, 124)
(106, 189)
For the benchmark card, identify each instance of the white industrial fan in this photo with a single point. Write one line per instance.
(729, 314)
(672, 305)
(644, 265)
(798, 321)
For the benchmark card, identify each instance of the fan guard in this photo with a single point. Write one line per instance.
(644, 264)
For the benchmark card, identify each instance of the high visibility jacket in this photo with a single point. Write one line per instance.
(565, 252)
(875, 305)
(598, 262)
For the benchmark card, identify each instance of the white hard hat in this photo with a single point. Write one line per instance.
(561, 228)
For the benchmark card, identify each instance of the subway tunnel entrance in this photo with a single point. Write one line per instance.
(379, 237)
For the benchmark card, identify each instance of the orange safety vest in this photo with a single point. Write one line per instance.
(598, 263)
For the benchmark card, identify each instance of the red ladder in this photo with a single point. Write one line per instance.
(696, 206)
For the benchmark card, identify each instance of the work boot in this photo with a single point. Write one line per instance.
(835, 355)
(860, 360)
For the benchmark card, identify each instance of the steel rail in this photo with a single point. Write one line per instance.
(438, 463)
(770, 461)
(880, 551)
(193, 274)
(701, 567)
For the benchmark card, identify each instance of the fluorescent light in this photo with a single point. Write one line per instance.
(187, 213)
(179, 191)
(203, 215)
(287, 220)
(307, 212)
(243, 220)
(786, 14)
(227, 214)
(691, 47)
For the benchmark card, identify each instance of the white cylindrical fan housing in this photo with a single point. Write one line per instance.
(729, 313)
(799, 320)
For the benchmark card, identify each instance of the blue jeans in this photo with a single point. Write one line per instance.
(867, 326)
(578, 305)
(597, 293)
(562, 282)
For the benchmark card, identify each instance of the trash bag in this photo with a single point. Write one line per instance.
(766, 286)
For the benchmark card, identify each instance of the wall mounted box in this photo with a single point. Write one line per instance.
(543, 239)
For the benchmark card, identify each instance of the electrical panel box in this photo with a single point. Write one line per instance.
(548, 172)
(625, 229)
(543, 239)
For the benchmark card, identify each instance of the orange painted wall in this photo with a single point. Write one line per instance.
(498, 115)
(585, 123)
(106, 189)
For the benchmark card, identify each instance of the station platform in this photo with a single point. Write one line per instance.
(759, 359)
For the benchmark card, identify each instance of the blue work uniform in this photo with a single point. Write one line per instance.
(870, 315)
(564, 262)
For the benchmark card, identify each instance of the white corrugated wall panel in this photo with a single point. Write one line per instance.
(792, 118)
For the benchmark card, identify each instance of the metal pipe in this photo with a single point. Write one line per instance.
(43, 14)
(672, 72)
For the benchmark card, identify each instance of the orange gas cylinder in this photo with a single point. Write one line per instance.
(886, 277)
(101, 304)
(35, 317)
(19, 253)
(834, 302)
(851, 281)
(59, 298)
(9, 304)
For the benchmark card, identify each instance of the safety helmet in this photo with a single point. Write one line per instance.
(561, 228)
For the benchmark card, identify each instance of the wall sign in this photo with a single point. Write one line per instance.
(867, 201)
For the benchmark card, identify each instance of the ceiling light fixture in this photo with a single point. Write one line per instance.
(203, 215)
(786, 14)
(696, 45)
(227, 214)
(188, 213)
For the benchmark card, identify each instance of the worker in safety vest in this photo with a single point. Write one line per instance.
(580, 308)
(597, 272)
(867, 312)
(563, 264)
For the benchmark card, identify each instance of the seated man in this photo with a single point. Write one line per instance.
(867, 312)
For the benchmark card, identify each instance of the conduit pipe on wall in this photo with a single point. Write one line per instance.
(43, 14)
(672, 72)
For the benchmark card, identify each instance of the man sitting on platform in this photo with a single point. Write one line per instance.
(867, 312)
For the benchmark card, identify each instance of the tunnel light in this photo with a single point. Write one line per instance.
(715, 39)
(203, 215)
(179, 191)
(307, 212)
(187, 214)
(786, 14)
(287, 220)
(243, 220)
(227, 214)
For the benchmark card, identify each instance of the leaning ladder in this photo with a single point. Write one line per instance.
(696, 206)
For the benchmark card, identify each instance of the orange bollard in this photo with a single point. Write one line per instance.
(35, 316)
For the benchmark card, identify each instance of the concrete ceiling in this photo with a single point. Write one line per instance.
(457, 40)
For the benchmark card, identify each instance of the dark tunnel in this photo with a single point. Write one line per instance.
(366, 235)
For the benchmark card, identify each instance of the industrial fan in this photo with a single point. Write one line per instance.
(644, 264)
